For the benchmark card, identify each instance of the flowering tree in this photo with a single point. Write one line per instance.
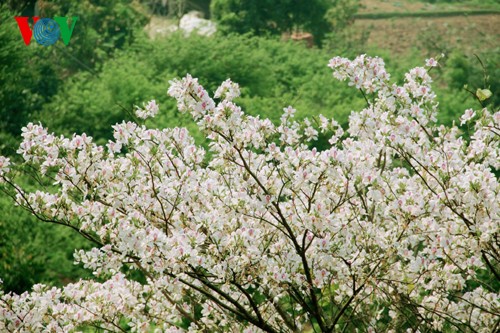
(394, 227)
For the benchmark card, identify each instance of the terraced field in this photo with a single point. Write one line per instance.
(404, 25)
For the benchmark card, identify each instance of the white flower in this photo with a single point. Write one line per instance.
(398, 207)
(4, 165)
(228, 90)
(468, 115)
(431, 62)
(150, 110)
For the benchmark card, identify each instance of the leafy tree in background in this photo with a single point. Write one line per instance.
(263, 17)
(176, 8)
(466, 68)
(31, 75)
(103, 26)
(341, 14)
(343, 38)
(477, 71)
(31, 252)
(285, 71)
(24, 7)
(27, 79)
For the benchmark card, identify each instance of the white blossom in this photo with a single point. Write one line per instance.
(398, 218)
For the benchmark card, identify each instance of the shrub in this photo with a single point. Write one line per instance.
(262, 17)
(26, 79)
(103, 27)
(32, 253)
(270, 74)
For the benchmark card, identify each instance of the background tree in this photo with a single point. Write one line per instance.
(263, 17)
(27, 80)
(103, 27)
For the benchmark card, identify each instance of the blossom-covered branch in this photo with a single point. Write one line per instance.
(394, 226)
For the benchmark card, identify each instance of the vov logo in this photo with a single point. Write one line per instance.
(45, 30)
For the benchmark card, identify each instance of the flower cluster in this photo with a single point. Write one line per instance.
(228, 90)
(150, 110)
(4, 166)
(393, 227)
(364, 72)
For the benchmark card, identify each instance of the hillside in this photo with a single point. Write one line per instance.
(399, 26)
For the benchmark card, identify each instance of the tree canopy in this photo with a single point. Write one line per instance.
(272, 17)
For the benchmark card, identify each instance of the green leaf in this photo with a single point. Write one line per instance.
(483, 94)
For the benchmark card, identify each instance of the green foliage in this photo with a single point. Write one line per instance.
(341, 14)
(29, 252)
(468, 71)
(103, 26)
(26, 79)
(262, 17)
(463, 70)
(92, 103)
(176, 8)
(35, 252)
(272, 75)
(31, 75)
(287, 73)
(19, 5)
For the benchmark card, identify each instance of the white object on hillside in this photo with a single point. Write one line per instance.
(194, 21)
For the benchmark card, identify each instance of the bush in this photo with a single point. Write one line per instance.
(27, 80)
(103, 27)
(35, 252)
(263, 17)
(271, 74)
